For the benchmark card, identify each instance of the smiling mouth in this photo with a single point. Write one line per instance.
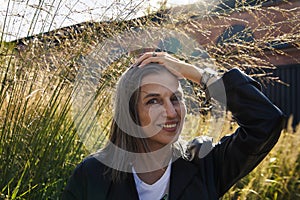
(170, 127)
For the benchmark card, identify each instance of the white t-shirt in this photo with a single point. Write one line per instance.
(157, 190)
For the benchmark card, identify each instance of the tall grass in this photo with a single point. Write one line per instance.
(36, 132)
(278, 176)
(40, 140)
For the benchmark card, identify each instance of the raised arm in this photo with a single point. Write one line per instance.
(260, 122)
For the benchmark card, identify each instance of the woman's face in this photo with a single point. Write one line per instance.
(161, 109)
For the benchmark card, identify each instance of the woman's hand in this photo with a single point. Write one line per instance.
(177, 67)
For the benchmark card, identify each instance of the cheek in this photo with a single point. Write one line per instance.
(149, 119)
(149, 115)
(156, 113)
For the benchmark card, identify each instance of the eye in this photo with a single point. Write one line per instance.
(152, 101)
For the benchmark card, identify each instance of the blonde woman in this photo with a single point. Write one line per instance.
(143, 158)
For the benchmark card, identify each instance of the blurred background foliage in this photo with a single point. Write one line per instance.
(56, 90)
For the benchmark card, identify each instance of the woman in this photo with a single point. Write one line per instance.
(144, 159)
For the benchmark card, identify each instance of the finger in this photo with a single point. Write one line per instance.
(144, 56)
(149, 55)
(150, 60)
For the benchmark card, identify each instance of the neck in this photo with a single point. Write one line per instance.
(153, 161)
(151, 177)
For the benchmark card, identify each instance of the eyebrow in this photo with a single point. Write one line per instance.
(177, 93)
(151, 95)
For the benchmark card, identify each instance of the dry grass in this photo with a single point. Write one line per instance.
(42, 110)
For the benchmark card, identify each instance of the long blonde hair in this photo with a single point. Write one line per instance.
(125, 132)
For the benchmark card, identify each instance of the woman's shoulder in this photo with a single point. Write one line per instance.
(91, 164)
(199, 148)
(89, 176)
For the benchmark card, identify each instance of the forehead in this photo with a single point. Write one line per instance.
(156, 81)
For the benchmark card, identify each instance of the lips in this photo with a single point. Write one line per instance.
(169, 126)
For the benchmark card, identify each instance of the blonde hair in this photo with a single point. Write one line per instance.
(125, 132)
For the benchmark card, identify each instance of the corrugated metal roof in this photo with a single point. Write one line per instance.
(286, 97)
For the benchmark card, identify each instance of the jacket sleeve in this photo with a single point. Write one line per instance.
(260, 124)
(75, 186)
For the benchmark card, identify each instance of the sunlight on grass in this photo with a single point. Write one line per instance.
(40, 144)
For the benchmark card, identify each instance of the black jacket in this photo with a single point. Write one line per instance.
(205, 178)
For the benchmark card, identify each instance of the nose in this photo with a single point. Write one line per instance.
(170, 110)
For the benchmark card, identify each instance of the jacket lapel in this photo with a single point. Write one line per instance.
(123, 190)
(133, 190)
(182, 174)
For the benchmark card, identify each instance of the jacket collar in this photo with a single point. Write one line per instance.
(180, 178)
